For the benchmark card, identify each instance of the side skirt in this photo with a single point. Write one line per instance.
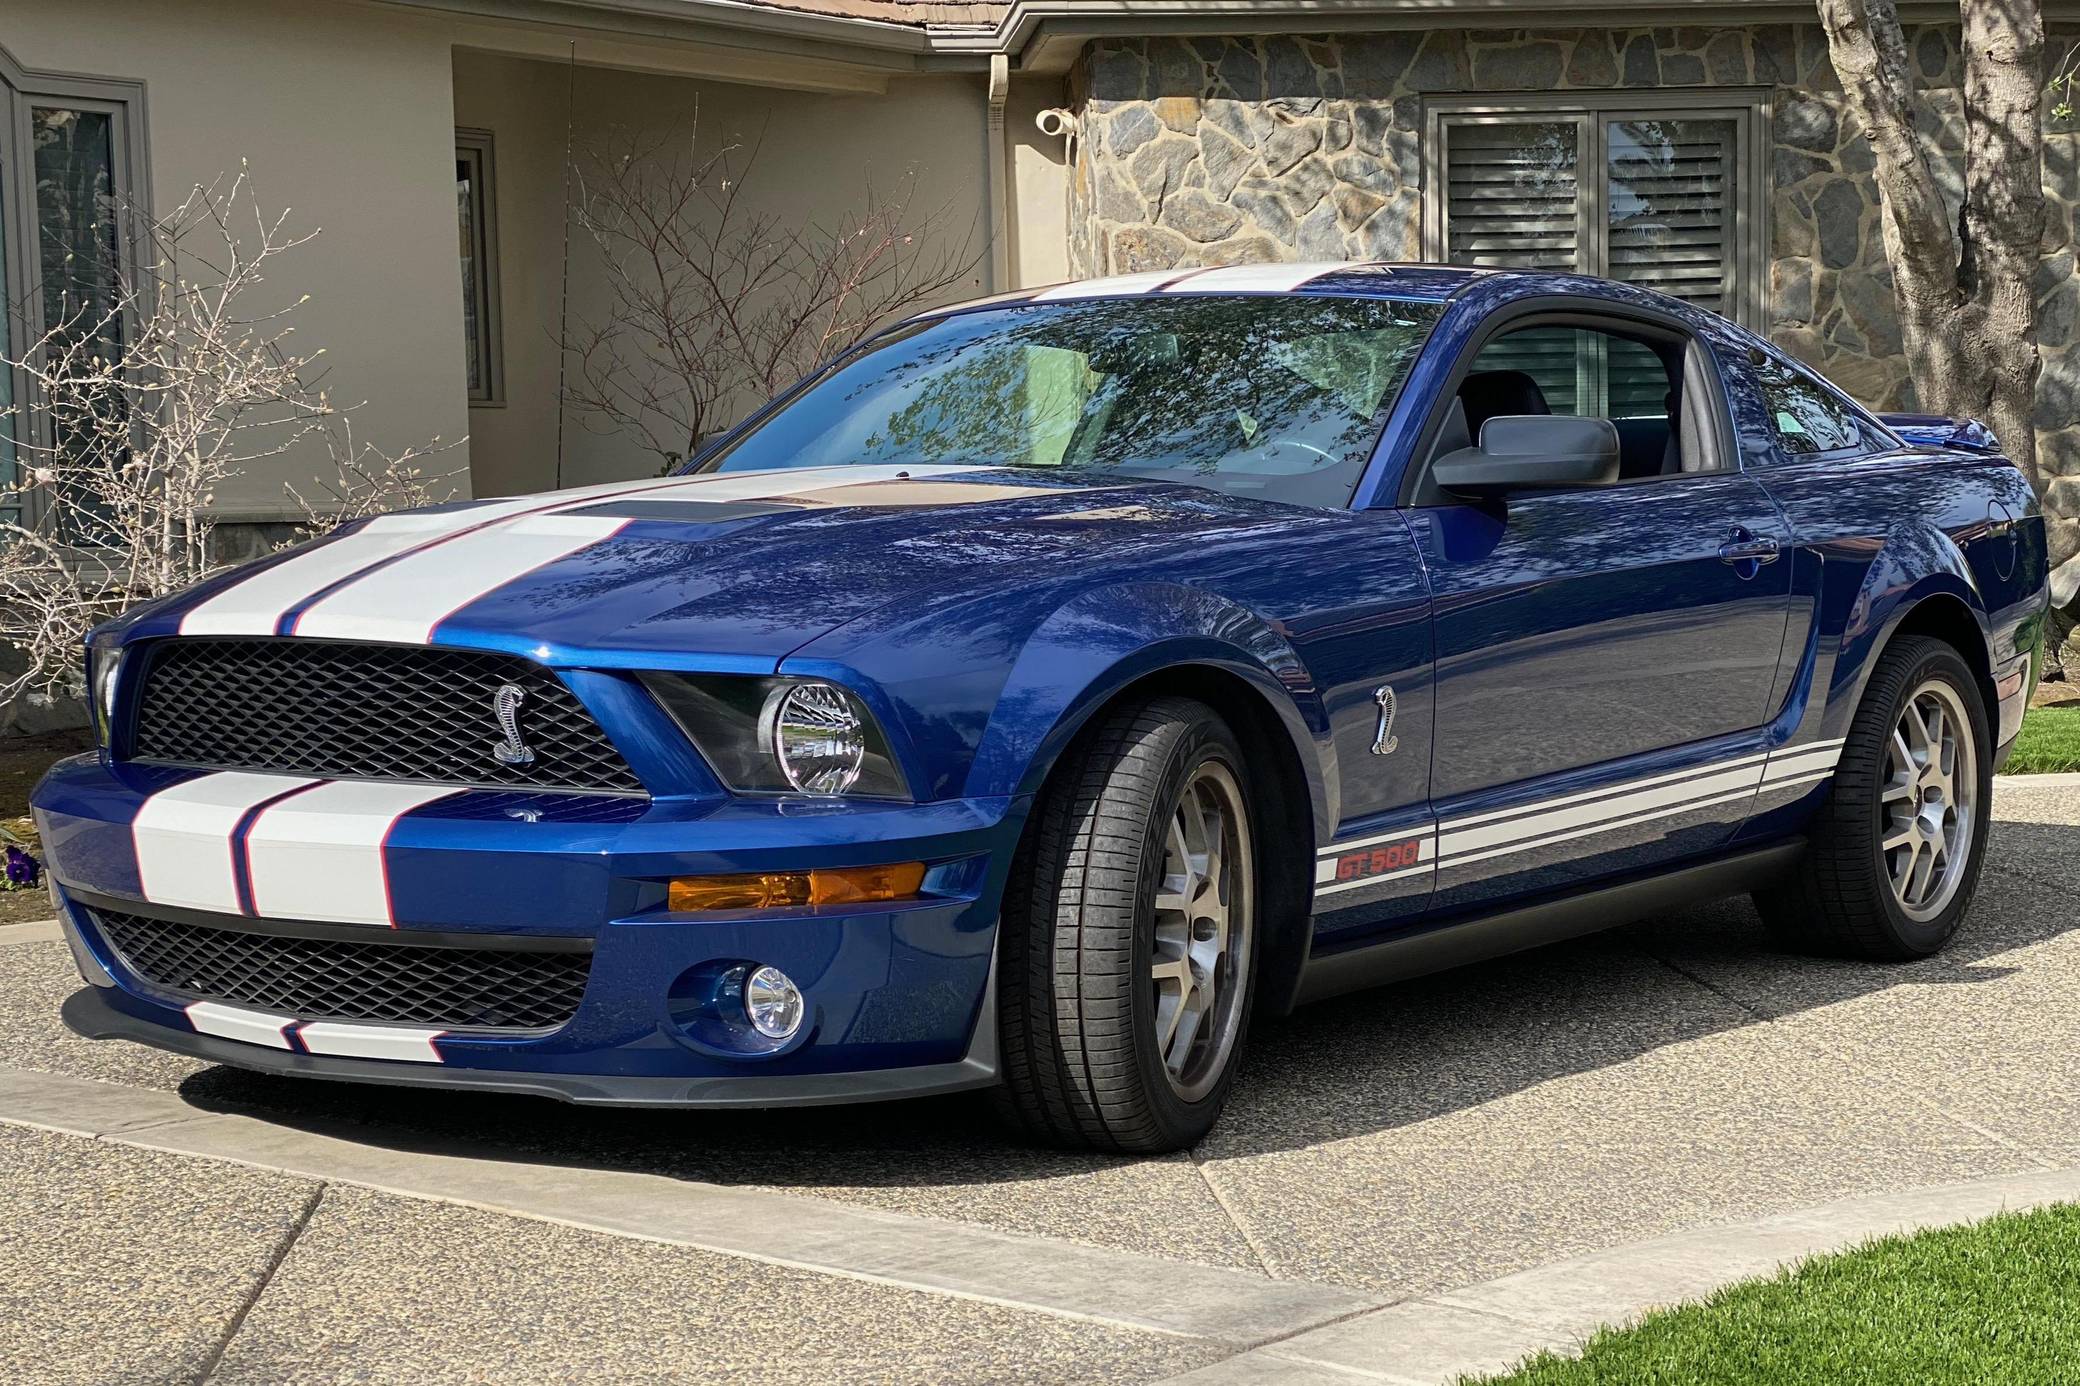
(1532, 926)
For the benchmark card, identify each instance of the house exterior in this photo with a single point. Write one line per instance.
(1701, 147)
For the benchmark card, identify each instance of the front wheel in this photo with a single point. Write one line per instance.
(1896, 848)
(1129, 936)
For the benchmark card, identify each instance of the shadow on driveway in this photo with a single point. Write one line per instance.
(1417, 1052)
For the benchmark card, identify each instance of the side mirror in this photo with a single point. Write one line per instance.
(1529, 452)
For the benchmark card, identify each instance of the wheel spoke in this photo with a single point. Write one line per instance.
(1201, 931)
(1903, 837)
(1923, 873)
(1178, 1050)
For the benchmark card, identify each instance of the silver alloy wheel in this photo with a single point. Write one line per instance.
(1929, 804)
(1205, 925)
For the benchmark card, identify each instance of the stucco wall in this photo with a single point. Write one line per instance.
(819, 156)
(1207, 151)
(343, 115)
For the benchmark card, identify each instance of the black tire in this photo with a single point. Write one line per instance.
(1077, 996)
(1841, 902)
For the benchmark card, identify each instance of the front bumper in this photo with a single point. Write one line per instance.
(900, 996)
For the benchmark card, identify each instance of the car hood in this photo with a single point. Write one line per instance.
(733, 570)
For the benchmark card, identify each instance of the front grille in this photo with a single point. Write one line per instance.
(388, 712)
(449, 988)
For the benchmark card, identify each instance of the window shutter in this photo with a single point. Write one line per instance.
(1671, 206)
(1511, 194)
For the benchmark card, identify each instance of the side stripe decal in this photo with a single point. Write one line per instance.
(1469, 839)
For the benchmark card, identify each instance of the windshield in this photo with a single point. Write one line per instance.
(1278, 398)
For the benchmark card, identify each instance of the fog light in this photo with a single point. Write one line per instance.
(772, 1003)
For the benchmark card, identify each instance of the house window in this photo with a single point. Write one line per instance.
(1666, 194)
(71, 174)
(477, 236)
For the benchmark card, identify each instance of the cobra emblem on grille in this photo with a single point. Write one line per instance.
(505, 706)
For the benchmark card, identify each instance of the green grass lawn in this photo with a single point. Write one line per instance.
(2049, 744)
(1995, 1302)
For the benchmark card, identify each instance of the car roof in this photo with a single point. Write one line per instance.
(1417, 283)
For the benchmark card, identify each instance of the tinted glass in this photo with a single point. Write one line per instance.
(1808, 417)
(1279, 398)
(1584, 372)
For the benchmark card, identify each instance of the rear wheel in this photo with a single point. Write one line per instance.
(1129, 936)
(1896, 848)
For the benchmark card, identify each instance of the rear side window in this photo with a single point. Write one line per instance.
(1809, 418)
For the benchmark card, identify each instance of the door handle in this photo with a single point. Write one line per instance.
(1749, 548)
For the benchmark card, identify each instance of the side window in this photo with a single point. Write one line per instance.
(1586, 372)
(1808, 417)
(1583, 372)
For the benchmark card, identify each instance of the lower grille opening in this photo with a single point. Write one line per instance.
(450, 988)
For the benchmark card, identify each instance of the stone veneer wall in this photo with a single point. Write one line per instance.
(1223, 150)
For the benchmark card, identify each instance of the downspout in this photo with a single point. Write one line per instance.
(999, 176)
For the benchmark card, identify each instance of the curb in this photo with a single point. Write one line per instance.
(1490, 1327)
(2063, 780)
(2037, 781)
(41, 931)
(1214, 1304)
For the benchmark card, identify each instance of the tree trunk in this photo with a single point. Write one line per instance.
(1966, 291)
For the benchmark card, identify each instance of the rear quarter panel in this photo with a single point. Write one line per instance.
(1877, 537)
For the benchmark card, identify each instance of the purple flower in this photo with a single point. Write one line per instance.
(23, 870)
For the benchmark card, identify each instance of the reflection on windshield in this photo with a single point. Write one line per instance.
(1279, 398)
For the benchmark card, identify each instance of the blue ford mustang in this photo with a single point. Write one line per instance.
(1038, 691)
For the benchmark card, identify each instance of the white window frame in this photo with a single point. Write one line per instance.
(1748, 108)
(476, 147)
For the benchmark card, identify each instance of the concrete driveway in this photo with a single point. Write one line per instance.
(1672, 1076)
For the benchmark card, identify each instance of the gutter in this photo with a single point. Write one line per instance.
(999, 190)
(1045, 35)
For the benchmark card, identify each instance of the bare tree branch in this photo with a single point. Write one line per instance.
(142, 402)
(713, 306)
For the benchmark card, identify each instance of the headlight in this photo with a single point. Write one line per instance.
(782, 736)
(815, 735)
(102, 663)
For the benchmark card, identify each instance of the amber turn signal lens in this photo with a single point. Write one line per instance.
(846, 885)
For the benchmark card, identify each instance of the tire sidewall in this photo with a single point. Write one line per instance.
(1927, 937)
(1204, 737)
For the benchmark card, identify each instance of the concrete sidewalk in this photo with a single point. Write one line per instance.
(1403, 1144)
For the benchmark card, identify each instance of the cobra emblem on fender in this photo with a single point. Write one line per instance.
(505, 706)
(1384, 741)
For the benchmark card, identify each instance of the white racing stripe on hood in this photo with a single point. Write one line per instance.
(257, 604)
(403, 602)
